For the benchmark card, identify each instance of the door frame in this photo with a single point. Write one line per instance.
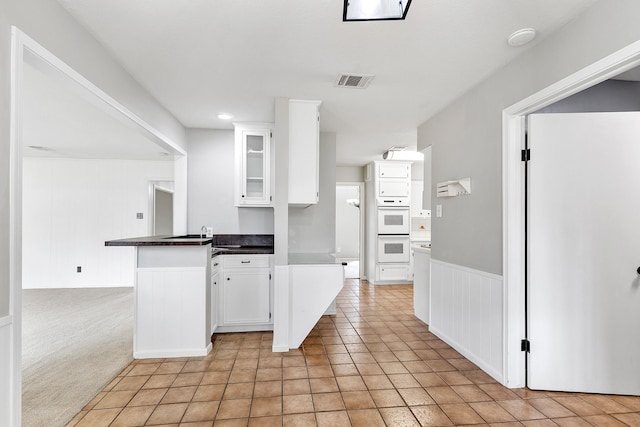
(22, 44)
(360, 186)
(513, 194)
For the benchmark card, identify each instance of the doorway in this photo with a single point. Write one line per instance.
(349, 228)
(161, 209)
(34, 68)
(514, 236)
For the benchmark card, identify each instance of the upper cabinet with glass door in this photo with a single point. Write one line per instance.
(253, 164)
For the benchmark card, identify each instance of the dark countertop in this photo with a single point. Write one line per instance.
(160, 241)
(222, 244)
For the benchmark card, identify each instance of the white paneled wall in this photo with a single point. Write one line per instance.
(71, 207)
(6, 379)
(467, 313)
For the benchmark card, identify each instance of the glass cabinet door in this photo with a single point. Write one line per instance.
(254, 188)
(254, 183)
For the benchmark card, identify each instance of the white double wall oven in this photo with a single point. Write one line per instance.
(391, 216)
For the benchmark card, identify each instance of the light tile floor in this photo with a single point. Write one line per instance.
(372, 364)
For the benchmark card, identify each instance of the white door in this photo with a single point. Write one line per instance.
(583, 252)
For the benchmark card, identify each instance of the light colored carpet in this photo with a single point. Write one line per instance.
(74, 342)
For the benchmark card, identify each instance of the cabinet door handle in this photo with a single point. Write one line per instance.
(228, 278)
(215, 264)
(245, 262)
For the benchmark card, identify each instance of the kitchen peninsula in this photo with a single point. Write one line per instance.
(173, 290)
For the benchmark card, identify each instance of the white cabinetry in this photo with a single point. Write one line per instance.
(388, 222)
(171, 305)
(215, 285)
(390, 170)
(421, 284)
(245, 293)
(304, 143)
(253, 164)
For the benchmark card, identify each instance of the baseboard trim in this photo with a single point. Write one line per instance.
(8, 391)
(496, 375)
(280, 348)
(244, 328)
(161, 354)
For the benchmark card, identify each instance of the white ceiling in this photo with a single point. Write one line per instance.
(202, 57)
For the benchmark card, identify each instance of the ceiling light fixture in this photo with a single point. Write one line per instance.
(375, 10)
(521, 37)
(225, 116)
(401, 153)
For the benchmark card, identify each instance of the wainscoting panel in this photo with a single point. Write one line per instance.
(467, 313)
(6, 375)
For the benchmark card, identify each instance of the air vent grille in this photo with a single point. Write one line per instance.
(358, 81)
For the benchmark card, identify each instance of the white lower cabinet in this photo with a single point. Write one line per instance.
(215, 285)
(398, 272)
(244, 293)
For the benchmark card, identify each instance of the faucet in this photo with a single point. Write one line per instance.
(203, 231)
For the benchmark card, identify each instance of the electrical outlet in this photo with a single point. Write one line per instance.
(139, 215)
(209, 231)
(439, 211)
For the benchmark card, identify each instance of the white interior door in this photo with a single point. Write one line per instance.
(583, 252)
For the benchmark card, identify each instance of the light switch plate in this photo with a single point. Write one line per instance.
(209, 231)
(439, 211)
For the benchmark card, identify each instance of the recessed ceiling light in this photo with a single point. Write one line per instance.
(521, 37)
(225, 116)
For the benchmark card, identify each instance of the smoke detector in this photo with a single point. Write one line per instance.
(521, 37)
(356, 81)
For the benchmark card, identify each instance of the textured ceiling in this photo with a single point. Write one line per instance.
(202, 57)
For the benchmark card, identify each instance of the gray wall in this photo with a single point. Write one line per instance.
(428, 187)
(608, 96)
(210, 180)
(312, 229)
(349, 174)
(467, 135)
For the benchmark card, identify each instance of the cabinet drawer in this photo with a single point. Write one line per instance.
(245, 261)
(393, 272)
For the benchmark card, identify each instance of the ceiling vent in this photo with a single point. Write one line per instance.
(358, 81)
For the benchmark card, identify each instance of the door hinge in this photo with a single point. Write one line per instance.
(271, 198)
(269, 276)
(270, 134)
(269, 315)
(525, 345)
(526, 154)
